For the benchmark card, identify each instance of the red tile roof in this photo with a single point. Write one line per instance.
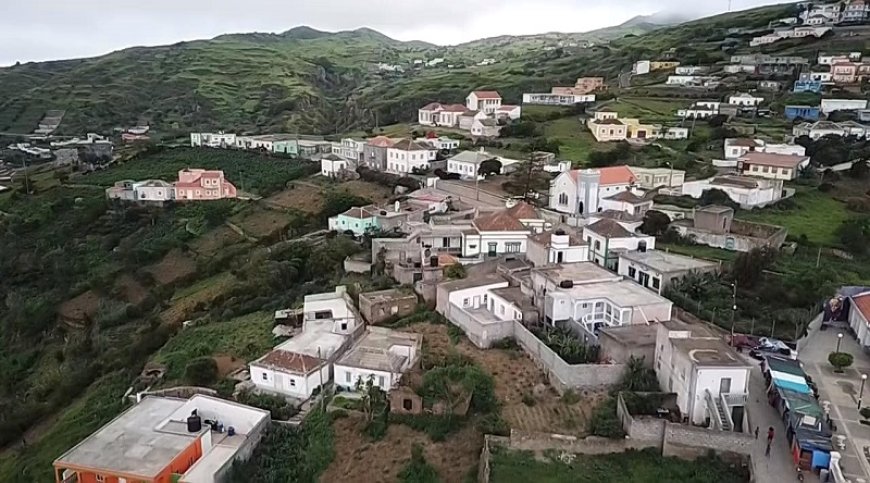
(744, 142)
(409, 145)
(381, 142)
(614, 175)
(361, 212)
(862, 304)
(776, 160)
(454, 108)
(487, 94)
(290, 361)
(500, 221)
(627, 197)
(523, 211)
(609, 229)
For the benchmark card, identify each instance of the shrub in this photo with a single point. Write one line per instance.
(840, 360)
(570, 397)
(418, 470)
(826, 187)
(201, 371)
(455, 271)
(865, 413)
(279, 407)
(494, 424)
(529, 399)
(604, 422)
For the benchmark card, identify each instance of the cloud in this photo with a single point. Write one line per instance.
(59, 29)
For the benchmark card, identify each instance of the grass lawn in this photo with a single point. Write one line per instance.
(246, 337)
(699, 251)
(576, 140)
(817, 216)
(648, 110)
(635, 466)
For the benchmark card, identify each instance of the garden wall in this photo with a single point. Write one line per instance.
(481, 335)
(564, 376)
(469, 193)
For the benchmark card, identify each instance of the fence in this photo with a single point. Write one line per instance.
(564, 376)
(482, 335)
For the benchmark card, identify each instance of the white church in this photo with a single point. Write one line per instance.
(585, 193)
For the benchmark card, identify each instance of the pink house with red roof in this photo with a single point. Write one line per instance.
(203, 184)
(487, 102)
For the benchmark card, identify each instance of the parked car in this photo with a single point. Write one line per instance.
(773, 347)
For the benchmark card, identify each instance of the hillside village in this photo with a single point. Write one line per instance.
(662, 271)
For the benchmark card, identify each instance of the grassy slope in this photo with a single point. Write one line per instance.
(317, 82)
(817, 216)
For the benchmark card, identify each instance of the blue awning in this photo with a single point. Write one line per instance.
(802, 388)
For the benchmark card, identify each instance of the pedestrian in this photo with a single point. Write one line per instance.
(770, 435)
(756, 432)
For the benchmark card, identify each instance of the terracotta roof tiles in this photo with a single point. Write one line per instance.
(289, 361)
(487, 94)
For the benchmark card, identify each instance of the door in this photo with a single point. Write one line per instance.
(643, 279)
(725, 385)
(493, 249)
(279, 381)
(559, 257)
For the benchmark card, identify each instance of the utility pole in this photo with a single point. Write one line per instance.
(733, 307)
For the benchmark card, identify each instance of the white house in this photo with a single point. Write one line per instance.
(737, 147)
(561, 245)
(467, 163)
(831, 59)
(485, 128)
(859, 317)
(692, 80)
(641, 67)
(700, 110)
(772, 166)
(706, 374)
(468, 118)
(487, 102)
(745, 99)
(578, 192)
(505, 231)
(212, 140)
(331, 165)
(626, 202)
(351, 149)
(606, 238)
(509, 112)
(437, 114)
(826, 128)
(676, 133)
(302, 364)
(382, 355)
(746, 191)
(829, 11)
(406, 155)
(830, 105)
(441, 143)
(656, 269)
(589, 298)
(651, 178)
(153, 190)
(691, 69)
(550, 99)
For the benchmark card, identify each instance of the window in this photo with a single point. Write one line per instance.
(344, 326)
(501, 309)
(466, 302)
(513, 247)
(100, 478)
(563, 198)
(381, 381)
(597, 244)
(632, 272)
(265, 377)
(347, 376)
(292, 382)
(485, 297)
(656, 283)
(407, 404)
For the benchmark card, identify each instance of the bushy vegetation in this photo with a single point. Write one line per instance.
(257, 173)
(418, 470)
(290, 454)
(637, 378)
(647, 466)
(565, 343)
(278, 407)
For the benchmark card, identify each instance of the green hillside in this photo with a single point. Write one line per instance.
(321, 82)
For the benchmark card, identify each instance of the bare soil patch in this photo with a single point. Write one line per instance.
(302, 196)
(175, 266)
(227, 364)
(358, 459)
(81, 308)
(372, 191)
(263, 223)
(131, 290)
(202, 292)
(212, 242)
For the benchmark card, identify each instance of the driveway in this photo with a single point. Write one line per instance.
(842, 390)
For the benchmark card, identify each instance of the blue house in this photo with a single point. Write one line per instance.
(807, 113)
(808, 85)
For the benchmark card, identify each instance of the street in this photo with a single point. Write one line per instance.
(842, 390)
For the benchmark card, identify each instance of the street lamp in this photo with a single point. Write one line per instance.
(861, 397)
(839, 339)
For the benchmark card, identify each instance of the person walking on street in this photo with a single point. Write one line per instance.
(756, 432)
(769, 435)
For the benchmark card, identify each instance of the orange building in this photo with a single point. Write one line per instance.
(161, 440)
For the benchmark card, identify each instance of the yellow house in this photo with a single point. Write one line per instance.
(663, 65)
(605, 126)
(638, 130)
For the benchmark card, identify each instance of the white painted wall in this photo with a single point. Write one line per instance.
(290, 384)
(710, 379)
(473, 245)
(830, 105)
(347, 377)
(474, 297)
(743, 196)
(502, 309)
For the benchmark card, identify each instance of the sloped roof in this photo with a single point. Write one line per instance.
(380, 141)
(361, 212)
(546, 237)
(609, 229)
(614, 122)
(627, 197)
(470, 113)
(474, 157)
(289, 362)
(862, 304)
(499, 221)
(743, 142)
(487, 94)
(610, 176)
(409, 145)
(775, 160)
(523, 211)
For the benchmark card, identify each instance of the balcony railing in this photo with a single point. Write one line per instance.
(735, 399)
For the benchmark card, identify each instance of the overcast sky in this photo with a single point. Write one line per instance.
(33, 30)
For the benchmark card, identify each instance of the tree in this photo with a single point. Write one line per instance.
(749, 266)
(854, 234)
(529, 178)
(840, 360)
(859, 170)
(715, 196)
(655, 223)
(201, 371)
(521, 129)
(455, 271)
(418, 470)
(489, 167)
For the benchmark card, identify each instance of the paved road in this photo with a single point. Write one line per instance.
(842, 390)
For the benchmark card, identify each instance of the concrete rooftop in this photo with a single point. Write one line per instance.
(709, 352)
(372, 351)
(666, 262)
(624, 293)
(631, 335)
(579, 273)
(387, 295)
(130, 444)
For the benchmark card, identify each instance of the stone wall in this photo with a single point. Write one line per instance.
(691, 442)
(356, 266)
(731, 241)
(531, 441)
(644, 432)
(481, 335)
(564, 376)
